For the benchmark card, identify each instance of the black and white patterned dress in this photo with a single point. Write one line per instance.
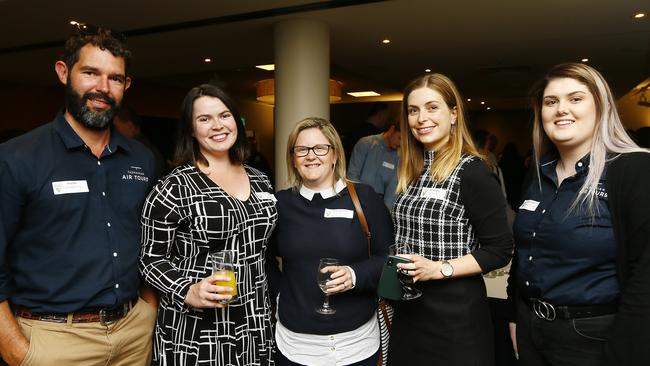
(450, 324)
(185, 217)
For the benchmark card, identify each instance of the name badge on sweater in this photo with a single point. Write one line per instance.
(342, 213)
(265, 196)
(70, 186)
(435, 193)
(388, 165)
(529, 205)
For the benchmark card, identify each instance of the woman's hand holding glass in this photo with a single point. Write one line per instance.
(341, 279)
(206, 294)
(421, 269)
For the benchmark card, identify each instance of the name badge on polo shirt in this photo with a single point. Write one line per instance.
(529, 205)
(69, 186)
(341, 213)
(435, 193)
(388, 165)
(265, 196)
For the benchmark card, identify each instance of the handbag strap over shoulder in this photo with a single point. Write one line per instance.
(357, 207)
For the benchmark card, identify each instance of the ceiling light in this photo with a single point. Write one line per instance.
(268, 67)
(386, 41)
(469, 99)
(482, 102)
(361, 94)
(488, 108)
(265, 90)
(639, 15)
(585, 60)
(207, 60)
(427, 70)
(74, 22)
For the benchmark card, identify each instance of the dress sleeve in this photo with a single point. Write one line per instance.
(486, 209)
(367, 272)
(630, 202)
(160, 219)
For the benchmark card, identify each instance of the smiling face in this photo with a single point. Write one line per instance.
(215, 128)
(430, 119)
(317, 172)
(569, 115)
(95, 86)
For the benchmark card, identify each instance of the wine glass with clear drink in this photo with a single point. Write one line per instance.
(403, 276)
(323, 278)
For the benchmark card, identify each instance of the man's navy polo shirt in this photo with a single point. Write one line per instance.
(69, 222)
(565, 257)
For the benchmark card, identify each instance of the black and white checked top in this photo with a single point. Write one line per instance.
(185, 217)
(447, 220)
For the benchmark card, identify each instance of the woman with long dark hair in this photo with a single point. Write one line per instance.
(210, 203)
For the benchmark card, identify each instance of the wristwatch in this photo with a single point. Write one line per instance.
(446, 269)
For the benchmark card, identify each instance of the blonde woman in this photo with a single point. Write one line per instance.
(317, 219)
(448, 203)
(581, 277)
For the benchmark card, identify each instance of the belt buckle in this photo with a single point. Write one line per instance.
(544, 310)
(103, 318)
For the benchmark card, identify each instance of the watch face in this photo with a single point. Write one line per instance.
(446, 269)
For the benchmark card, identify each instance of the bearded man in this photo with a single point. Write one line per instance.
(70, 198)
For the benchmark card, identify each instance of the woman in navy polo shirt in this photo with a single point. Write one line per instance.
(581, 277)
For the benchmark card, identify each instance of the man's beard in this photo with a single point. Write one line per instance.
(77, 106)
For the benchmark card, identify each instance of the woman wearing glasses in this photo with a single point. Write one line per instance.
(450, 209)
(581, 274)
(317, 219)
(210, 203)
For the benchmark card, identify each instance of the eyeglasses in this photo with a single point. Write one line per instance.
(319, 150)
(93, 30)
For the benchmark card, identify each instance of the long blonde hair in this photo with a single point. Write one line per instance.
(609, 135)
(332, 137)
(412, 150)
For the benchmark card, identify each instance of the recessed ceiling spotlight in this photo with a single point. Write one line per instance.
(585, 60)
(385, 41)
(427, 70)
(267, 67)
(361, 94)
(639, 15)
(207, 60)
(469, 99)
(482, 103)
(488, 108)
(74, 22)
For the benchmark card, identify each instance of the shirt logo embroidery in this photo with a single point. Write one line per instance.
(601, 191)
(135, 173)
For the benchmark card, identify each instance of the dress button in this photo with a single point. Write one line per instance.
(527, 284)
(534, 234)
(579, 164)
(333, 349)
(332, 337)
(104, 194)
(99, 162)
(114, 254)
(117, 285)
(544, 211)
(108, 224)
(530, 259)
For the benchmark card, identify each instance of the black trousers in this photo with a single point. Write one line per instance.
(560, 342)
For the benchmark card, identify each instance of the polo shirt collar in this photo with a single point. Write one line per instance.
(549, 162)
(325, 193)
(72, 141)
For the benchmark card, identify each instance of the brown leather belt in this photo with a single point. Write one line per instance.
(105, 316)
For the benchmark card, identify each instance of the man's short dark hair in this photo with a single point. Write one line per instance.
(104, 38)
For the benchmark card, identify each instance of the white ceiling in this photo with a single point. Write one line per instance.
(493, 49)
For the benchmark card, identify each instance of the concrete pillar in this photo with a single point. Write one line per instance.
(302, 70)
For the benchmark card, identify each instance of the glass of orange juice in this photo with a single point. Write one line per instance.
(223, 265)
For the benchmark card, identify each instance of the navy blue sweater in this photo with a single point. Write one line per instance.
(303, 235)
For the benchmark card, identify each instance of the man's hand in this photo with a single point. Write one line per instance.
(13, 344)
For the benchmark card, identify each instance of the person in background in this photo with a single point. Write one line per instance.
(71, 192)
(375, 160)
(451, 210)
(128, 123)
(317, 220)
(210, 202)
(581, 273)
(377, 122)
(257, 160)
